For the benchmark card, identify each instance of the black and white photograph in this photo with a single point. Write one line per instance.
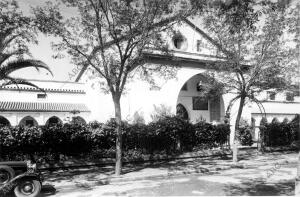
(149, 98)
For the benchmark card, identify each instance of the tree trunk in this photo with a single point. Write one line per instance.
(297, 182)
(0, 152)
(236, 128)
(118, 166)
(261, 143)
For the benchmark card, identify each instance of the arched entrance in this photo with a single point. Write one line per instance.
(197, 106)
(28, 121)
(4, 122)
(78, 120)
(53, 120)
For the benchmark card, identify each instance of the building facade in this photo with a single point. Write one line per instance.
(193, 54)
(59, 102)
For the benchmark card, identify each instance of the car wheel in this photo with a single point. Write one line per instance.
(6, 174)
(28, 188)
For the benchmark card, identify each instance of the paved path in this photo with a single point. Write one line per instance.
(227, 182)
(269, 174)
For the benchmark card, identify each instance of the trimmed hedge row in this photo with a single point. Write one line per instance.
(169, 134)
(280, 133)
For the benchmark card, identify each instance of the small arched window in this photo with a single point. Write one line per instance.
(179, 41)
(53, 120)
(4, 122)
(78, 120)
(28, 121)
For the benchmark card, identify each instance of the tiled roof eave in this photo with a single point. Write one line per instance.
(42, 107)
(20, 89)
(16, 110)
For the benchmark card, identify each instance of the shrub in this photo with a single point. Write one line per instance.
(280, 133)
(160, 111)
(244, 133)
(295, 127)
(138, 136)
(244, 136)
(168, 134)
(211, 135)
(138, 118)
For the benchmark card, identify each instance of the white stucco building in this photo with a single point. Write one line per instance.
(193, 60)
(26, 105)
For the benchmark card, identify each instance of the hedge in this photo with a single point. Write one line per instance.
(168, 134)
(280, 133)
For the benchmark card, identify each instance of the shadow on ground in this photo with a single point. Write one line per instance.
(92, 173)
(258, 188)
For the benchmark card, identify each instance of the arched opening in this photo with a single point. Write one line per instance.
(78, 120)
(182, 112)
(198, 104)
(275, 120)
(28, 121)
(285, 120)
(4, 122)
(53, 120)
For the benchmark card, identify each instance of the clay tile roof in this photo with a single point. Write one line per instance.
(42, 107)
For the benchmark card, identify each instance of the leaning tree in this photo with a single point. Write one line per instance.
(110, 38)
(259, 48)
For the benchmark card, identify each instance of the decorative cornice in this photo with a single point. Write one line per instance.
(284, 102)
(8, 106)
(52, 90)
(293, 114)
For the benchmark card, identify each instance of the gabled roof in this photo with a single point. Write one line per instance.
(42, 107)
(188, 22)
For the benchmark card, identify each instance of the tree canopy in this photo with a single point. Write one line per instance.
(16, 32)
(110, 38)
(259, 43)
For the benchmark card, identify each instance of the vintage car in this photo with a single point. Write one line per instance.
(21, 178)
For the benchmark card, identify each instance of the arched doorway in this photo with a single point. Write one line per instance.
(4, 122)
(53, 120)
(198, 107)
(28, 121)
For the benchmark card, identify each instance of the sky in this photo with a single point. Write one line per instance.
(61, 68)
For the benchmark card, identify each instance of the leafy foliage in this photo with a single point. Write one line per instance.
(244, 133)
(280, 133)
(160, 111)
(110, 38)
(168, 134)
(259, 45)
(16, 32)
(211, 135)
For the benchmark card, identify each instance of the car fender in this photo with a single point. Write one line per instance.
(14, 182)
(29, 175)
